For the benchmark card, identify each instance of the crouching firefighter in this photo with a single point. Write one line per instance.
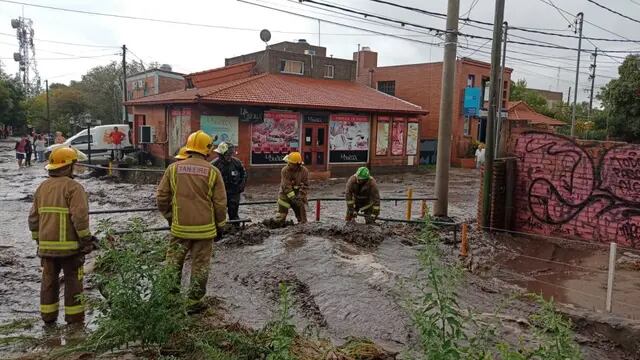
(191, 196)
(363, 196)
(294, 183)
(59, 223)
(234, 176)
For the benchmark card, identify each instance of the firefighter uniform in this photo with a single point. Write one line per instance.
(192, 197)
(362, 195)
(234, 176)
(59, 223)
(294, 184)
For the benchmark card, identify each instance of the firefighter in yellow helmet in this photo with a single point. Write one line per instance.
(294, 184)
(182, 154)
(362, 195)
(59, 223)
(192, 197)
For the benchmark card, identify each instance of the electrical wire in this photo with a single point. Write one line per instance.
(614, 11)
(69, 58)
(64, 42)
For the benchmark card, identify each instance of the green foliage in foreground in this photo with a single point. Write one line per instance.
(446, 332)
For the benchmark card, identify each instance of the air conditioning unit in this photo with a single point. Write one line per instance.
(310, 52)
(147, 134)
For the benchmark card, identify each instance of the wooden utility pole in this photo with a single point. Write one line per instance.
(498, 150)
(593, 81)
(579, 21)
(491, 116)
(443, 163)
(124, 83)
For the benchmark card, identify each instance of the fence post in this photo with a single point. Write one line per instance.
(464, 244)
(612, 270)
(317, 210)
(110, 171)
(409, 202)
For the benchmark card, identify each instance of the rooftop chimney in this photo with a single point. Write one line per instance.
(302, 41)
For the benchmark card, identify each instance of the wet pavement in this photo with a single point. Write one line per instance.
(340, 286)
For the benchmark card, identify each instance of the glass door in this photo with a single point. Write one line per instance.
(314, 146)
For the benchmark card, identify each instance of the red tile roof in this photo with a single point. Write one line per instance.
(521, 111)
(289, 91)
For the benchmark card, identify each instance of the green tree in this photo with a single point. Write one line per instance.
(621, 101)
(12, 96)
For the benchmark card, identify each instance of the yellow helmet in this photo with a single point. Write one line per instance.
(182, 154)
(60, 157)
(294, 158)
(199, 142)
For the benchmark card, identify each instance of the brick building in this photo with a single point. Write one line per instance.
(554, 98)
(289, 97)
(421, 84)
(154, 81)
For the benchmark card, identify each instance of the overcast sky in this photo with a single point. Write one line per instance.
(193, 48)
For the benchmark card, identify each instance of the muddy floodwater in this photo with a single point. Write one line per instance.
(346, 281)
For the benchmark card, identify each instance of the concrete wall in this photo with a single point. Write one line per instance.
(585, 190)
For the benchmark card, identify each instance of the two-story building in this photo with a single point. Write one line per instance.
(421, 84)
(288, 97)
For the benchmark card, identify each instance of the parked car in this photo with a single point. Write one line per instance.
(101, 146)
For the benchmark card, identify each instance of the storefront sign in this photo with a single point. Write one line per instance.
(316, 118)
(274, 138)
(412, 138)
(472, 96)
(382, 138)
(397, 136)
(224, 127)
(251, 114)
(348, 138)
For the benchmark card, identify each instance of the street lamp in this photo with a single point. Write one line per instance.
(87, 121)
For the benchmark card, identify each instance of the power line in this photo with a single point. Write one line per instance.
(63, 42)
(613, 11)
(69, 58)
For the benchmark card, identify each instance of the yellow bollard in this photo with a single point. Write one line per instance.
(110, 172)
(409, 202)
(423, 209)
(464, 244)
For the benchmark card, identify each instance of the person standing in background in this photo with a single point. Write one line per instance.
(40, 147)
(20, 150)
(28, 148)
(59, 138)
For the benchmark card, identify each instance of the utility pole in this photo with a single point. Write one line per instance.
(443, 161)
(569, 97)
(318, 32)
(124, 83)
(46, 87)
(593, 80)
(491, 116)
(500, 93)
(579, 20)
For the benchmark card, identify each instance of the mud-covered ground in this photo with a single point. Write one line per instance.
(346, 280)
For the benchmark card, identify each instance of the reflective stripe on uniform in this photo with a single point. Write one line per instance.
(212, 179)
(174, 190)
(53, 209)
(74, 309)
(62, 212)
(222, 223)
(34, 235)
(366, 206)
(284, 203)
(194, 235)
(84, 233)
(350, 202)
(58, 245)
(49, 308)
(291, 194)
(376, 208)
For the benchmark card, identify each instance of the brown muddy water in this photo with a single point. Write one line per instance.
(346, 280)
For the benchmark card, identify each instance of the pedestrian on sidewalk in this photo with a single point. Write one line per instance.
(234, 176)
(59, 138)
(40, 147)
(28, 151)
(116, 137)
(192, 197)
(362, 195)
(294, 184)
(21, 150)
(480, 151)
(59, 223)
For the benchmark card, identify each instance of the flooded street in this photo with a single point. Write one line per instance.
(346, 280)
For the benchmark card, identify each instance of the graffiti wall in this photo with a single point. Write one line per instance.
(589, 191)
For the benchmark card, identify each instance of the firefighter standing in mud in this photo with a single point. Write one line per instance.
(192, 197)
(234, 176)
(362, 195)
(59, 223)
(294, 184)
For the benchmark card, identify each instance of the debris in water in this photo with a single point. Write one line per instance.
(629, 261)
(250, 235)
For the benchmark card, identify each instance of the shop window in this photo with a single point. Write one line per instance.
(467, 126)
(329, 71)
(387, 87)
(320, 136)
(292, 67)
(471, 80)
(307, 136)
(485, 89)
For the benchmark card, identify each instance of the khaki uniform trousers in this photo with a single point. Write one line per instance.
(201, 252)
(72, 266)
(299, 211)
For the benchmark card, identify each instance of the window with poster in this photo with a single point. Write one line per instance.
(348, 139)
(382, 136)
(272, 139)
(398, 130)
(412, 136)
(221, 128)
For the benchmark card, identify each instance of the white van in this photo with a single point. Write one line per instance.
(101, 145)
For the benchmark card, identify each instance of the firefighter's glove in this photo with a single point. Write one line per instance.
(88, 244)
(375, 212)
(169, 221)
(219, 233)
(291, 194)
